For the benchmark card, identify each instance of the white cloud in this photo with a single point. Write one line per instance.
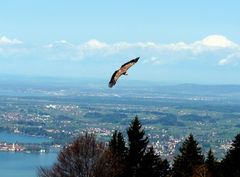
(214, 48)
(61, 43)
(155, 53)
(11, 47)
(153, 60)
(95, 44)
(213, 42)
(59, 50)
(6, 41)
(217, 41)
(210, 43)
(233, 58)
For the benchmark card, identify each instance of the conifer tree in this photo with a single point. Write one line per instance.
(119, 151)
(113, 143)
(211, 164)
(121, 145)
(165, 168)
(152, 165)
(137, 142)
(210, 161)
(231, 162)
(117, 145)
(190, 157)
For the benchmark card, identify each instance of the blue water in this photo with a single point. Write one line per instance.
(21, 164)
(20, 138)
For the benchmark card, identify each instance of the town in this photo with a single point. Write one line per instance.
(167, 117)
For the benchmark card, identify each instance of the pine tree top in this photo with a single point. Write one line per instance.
(236, 142)
(136, 133)
(211, 160)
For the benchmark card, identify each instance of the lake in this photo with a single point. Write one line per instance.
(21, 164)
(21, 138)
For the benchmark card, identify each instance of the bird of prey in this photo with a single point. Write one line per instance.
(121, 71)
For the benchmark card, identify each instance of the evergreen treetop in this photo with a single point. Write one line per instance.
(190, 156)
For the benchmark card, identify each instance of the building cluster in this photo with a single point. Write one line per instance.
(11, 147)
(100, 131)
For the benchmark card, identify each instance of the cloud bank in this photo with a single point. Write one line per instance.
(217, 49)
(6, 41)
(11, 47)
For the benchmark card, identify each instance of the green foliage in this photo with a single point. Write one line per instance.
(87, 157)
(137, 142)
(152, 165)
(117, 144)
(231, 163)
(119, 151)
(210, 161)
(211, 164)
(190, 156)
(138, 161)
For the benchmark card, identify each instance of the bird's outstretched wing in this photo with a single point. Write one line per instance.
(127, 65)
(121, 71)
(114, 78)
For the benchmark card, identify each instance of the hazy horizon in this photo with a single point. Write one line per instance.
(123, 82)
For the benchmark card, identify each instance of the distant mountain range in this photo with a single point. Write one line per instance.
(14, 82)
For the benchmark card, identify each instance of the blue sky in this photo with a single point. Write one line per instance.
(177, 41)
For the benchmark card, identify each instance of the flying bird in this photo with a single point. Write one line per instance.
(121, 71)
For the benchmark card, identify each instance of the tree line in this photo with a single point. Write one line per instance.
(86, 157)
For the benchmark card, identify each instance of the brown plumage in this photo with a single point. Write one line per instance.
(121, 71)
